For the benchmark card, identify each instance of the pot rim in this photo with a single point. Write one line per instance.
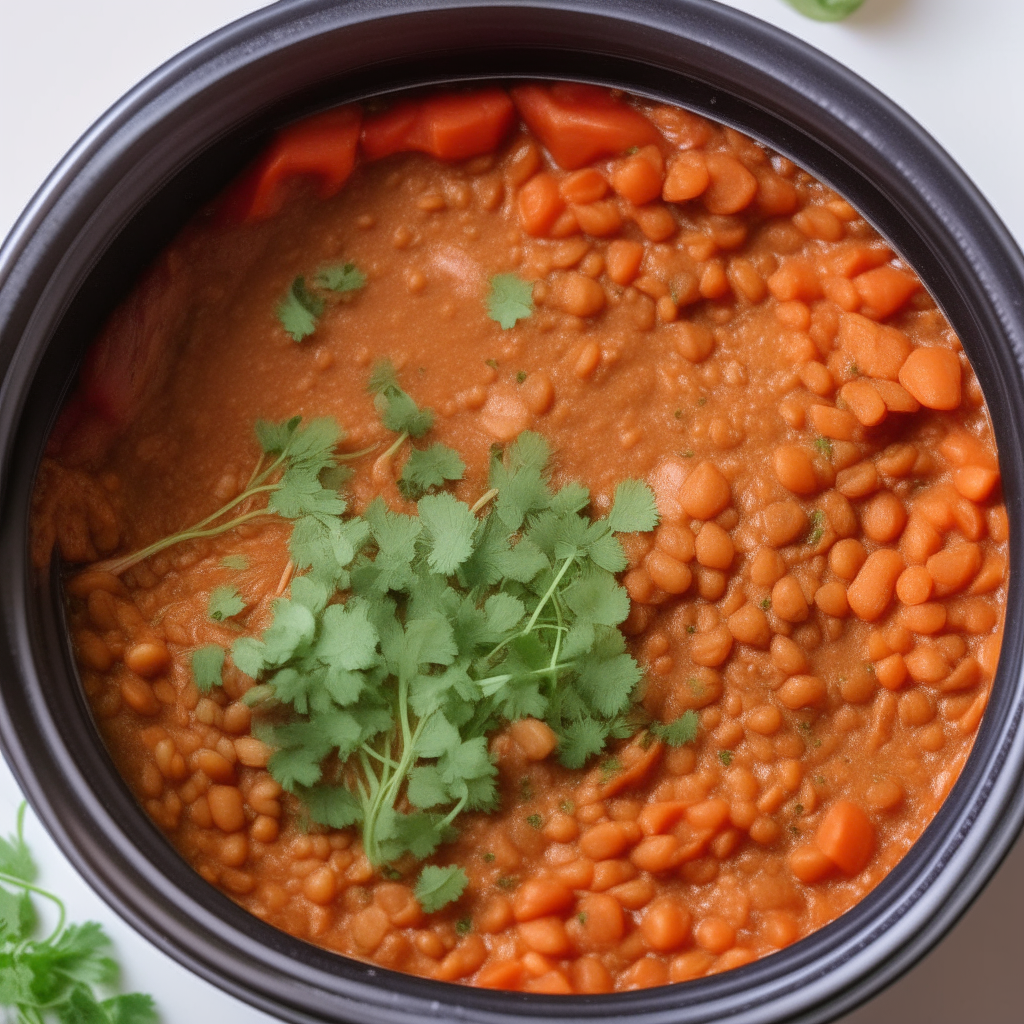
(864, 145)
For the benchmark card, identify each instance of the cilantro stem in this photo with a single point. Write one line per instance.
(116, 566)
(402, 438)
(550, 591)
(22, 884)
(484, 498)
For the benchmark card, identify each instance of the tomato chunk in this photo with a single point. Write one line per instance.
(579, 123)
(322, 147)
(450, 127)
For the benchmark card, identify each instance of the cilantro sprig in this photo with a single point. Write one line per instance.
(298, 472)
(54, 978)
(379, 706)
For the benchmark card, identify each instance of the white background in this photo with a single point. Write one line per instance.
(955, 65)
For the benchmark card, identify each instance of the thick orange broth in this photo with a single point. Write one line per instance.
(825, 589)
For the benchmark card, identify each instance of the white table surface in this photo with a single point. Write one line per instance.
(955, 65)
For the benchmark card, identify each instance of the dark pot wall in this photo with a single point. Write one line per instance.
(172, 143)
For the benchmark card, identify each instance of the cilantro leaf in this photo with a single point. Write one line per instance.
(509, 299)
(397, 410)
(679, 732)
(634, 509)
(207, 666)
(341, 277)
(15, 856)
(299, 310)
(237, 562)
(428, 468)
(437, 887)
(580, 741)
(448, 527)
(225, 602)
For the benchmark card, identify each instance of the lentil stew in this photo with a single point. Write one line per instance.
(817, 613)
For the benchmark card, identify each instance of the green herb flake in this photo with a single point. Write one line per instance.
(237, 562)
(702, 401)
(766, 603)
(678, 414)
(798, 809)
(610, 768)
(492, 363)
(525, 788)
(391, 874)
(507, 882)
(691, 629)
(225, 603)
(582, 917)
(853, 369)
(521, 376)
(535, 821)
(679, 732)
(463, 926)
(725, 756)
(509, 299)
(341, 277)
(489, 857)
(299, 310)
(824, 446)
(795, 830)
(437, 886)
(567, 807)
(818, 522)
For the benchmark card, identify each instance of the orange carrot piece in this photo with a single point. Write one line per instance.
(451, 126)
(847, 837)
(322, 147)
(579, 123)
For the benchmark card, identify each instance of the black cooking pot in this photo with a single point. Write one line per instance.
(168, 146)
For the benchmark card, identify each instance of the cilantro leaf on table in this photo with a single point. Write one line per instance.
(54, 978)
(437, 887)
(679, 732)
(826, 10)
(207, 666)
(341, 277)
(225, 603)
(428, 468)
(509, 299)
(299, 310)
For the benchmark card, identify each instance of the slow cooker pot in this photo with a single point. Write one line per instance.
(170, 144)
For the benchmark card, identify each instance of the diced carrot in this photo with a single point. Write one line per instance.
(847, 837)
(451, 126)
(322, 147)
(579, 123)
(885, 290)
(877, 350)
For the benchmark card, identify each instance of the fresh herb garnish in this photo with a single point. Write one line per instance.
(766, 603)
(489, 858)
(397, 410)
(237, 562)
(521, 376)
(299, 310)
(207, 667)
(509, 299)
(453, 624)
(535, 821)
(225, 602)
(824, 446)
(826, 10)
(342, 277)
(289, 473)
(463, 926)
(437, 887)
(679, 732)
(54, 978)
(725, 756)
(429, 468)
(567, 807)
